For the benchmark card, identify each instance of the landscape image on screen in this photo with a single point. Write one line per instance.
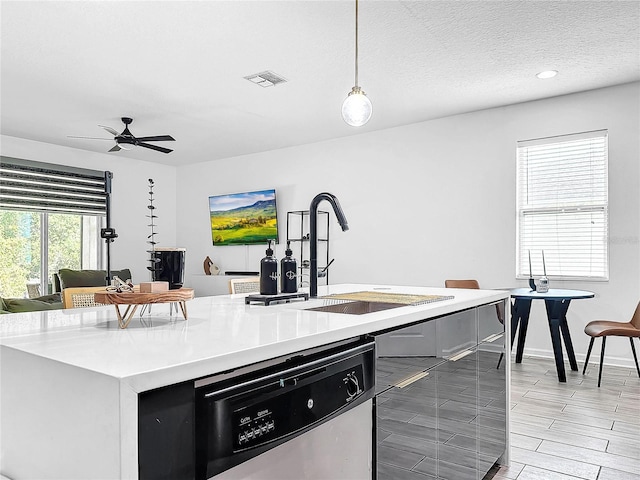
(243, 218)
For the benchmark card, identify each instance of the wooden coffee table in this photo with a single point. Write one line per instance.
(133, 299)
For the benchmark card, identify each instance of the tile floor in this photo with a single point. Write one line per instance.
(573, 430)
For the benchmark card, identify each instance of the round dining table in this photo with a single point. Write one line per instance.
(557, 302)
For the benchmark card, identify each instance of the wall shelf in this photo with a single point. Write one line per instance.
(298, 235)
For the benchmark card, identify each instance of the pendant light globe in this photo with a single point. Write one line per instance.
(356, 108)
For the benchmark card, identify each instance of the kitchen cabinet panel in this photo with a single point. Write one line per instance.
(452, 411)
(492, 365)
(414, 341)
(392, 370)
(490, 320)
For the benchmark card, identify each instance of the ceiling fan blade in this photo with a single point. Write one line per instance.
(116, 148)
(154, 147)
(110, 130)
(90, 138)
(156, 138)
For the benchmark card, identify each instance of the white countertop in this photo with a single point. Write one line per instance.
(221, 333)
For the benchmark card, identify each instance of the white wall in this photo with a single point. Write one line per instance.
(129, 197)
(436, 200)
(425, 202)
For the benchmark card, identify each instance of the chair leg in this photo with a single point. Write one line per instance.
(635, 357)
(502, 356)
(586, 361)
(604, 341)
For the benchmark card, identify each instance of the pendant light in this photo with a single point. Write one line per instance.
(356, 108)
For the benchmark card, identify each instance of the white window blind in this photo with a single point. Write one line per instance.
(563, 206)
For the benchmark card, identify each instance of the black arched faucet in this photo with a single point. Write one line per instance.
(313, 235)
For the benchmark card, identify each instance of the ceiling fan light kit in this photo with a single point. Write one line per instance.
(356, 108)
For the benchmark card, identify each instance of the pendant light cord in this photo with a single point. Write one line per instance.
(356, 108)
(356, 43)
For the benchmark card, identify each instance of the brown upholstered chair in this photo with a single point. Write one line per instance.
(473, 284)
(462, 284)
(607, 328)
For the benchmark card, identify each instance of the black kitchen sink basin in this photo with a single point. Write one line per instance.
(355, 308)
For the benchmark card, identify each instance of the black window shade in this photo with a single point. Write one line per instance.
(27, 185)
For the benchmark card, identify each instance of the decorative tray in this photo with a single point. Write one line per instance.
(387, 297)
(281, 297)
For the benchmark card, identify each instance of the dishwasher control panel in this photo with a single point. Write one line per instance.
(291, 404)
(252, 429)
(250, 414)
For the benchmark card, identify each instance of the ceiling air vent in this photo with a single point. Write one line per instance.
(266, 79)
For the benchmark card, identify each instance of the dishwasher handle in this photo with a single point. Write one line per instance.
(291, 372)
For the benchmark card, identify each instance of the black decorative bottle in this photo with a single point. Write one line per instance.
(288, 272)
(269, 273)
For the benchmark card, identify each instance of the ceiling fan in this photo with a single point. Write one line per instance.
(126, 138)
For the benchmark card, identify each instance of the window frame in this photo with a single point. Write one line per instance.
(95, 245)
(521, 264)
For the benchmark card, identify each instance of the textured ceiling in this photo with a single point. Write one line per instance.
(177, 67)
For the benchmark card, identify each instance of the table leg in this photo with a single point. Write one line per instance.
(123, 320)
(568, 344)
(183, 307)
(521, 311)
(514, 322)
(556, 312)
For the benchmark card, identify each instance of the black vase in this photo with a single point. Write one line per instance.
(170, 268)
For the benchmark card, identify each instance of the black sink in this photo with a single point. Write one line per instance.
(355, 308)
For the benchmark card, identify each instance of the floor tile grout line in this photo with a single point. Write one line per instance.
(622, 434)
(564, 458)
(614, 420)
(607, 430)
(556, 471)
(551, 431)
(566, 420)
(577, 446)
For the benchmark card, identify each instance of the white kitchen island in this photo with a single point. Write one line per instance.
(70, 379)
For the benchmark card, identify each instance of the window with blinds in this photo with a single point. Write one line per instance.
(50, 218)
(563, 206)
(26, 185)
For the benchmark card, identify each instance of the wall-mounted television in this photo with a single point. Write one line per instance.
(244, 218)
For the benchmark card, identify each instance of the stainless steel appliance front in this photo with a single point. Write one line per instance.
(308, 418)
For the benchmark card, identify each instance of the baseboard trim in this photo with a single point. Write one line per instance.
(610, 360)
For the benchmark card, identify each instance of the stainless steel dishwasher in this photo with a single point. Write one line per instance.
(310, 417)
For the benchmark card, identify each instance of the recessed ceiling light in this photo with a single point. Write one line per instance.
(547, 74)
